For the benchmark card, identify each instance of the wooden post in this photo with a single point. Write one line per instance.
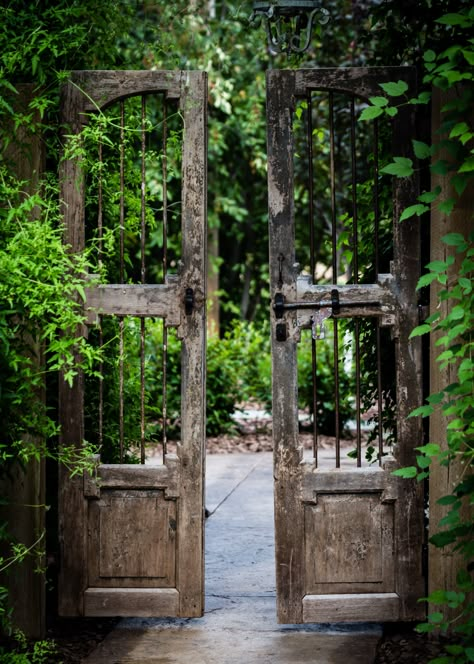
(24, 486)
(443, 563)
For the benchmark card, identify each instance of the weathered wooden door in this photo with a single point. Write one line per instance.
(348, 533)
(131, 535)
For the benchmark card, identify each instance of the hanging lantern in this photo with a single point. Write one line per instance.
(289, 23)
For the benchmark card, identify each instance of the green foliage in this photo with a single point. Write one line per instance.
(451, 156)
(21, 652)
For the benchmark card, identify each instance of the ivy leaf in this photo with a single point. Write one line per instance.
(411, 210)
(378, 101)
(419, 330)
(422, 150)
(408, 473)
(429, 56)
(469, 55)
(402, 167)
(446, 207)
(391, 111)
(429, 196)
(423, 98)
(467, 166)
(454, 19)
(458, 129)
(454, 240)
(371, 112)
(430, 449)
(394, 89)
(440, 167)
(426, 280)
(424, 411)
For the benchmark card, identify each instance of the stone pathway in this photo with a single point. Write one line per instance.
(239, 626)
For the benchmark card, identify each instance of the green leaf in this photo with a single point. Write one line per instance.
(467, 166)
(408, 473)
(440, 167)
(423, 98)
(470, 654)
(456, 312)
(425, 280)
(446, 207)
(429, 56)
(391, 111)
(378, 101)
(423, 461)
(424, 411)
(371, 112)
(429, 196)
(447, 500)
(436, 617)
(469, 55)
(411, 210)
(419, 330)
(430, 449)
(401, 167)
(453, 19)
(454, 240)
(422, 150)
(458, 129)
(394, 89)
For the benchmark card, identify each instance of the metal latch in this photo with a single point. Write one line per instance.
(189, 301)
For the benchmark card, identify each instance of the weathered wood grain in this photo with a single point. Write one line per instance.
(363, 82)
(289, 518)
(365, 516)
(349, 544)
(132, 540)
(190, 551)
(128, 602)
(161, 300)
(373, 607)
(136, 529)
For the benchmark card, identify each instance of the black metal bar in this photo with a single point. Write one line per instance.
(143, 278)
(310, 184)
(376, 197)
(164, 175)
(324, 304)
(379, 393)
(333, 188)
(121, 278)
(336, 395)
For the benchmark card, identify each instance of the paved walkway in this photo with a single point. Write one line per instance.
(239, 626)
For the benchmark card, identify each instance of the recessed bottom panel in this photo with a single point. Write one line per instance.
(131, 602)
(364, 607)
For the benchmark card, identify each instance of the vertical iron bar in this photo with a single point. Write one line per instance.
(355, 268)
(165, 269)
(379, 392)
(334, 273)
(313, 269)
(121, 277)
(377, 267)
(333, 188)
(100, 233)
(376, 197)
(143, 277)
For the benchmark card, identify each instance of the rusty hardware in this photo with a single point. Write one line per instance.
(281, 334)
(334, 304)
(189, 301)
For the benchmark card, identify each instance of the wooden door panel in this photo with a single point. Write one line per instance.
(348, 537)
(131, 535)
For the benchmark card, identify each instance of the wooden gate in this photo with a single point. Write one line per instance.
(349, 534)
(131, 536)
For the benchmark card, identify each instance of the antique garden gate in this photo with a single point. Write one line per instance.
(132, 535)
(348, 533)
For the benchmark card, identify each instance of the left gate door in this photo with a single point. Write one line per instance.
(131, 534)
